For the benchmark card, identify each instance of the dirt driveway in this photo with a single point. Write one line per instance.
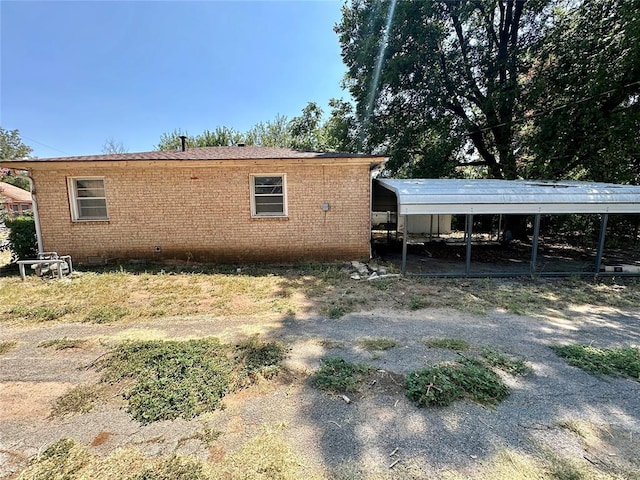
(557, 410)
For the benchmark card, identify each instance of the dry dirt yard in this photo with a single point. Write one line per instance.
(558, 422)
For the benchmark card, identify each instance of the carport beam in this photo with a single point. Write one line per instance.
(405, 231)
(534, 244)
(468, 232)
(603, 231)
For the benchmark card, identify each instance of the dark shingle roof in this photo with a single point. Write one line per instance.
(204, 153)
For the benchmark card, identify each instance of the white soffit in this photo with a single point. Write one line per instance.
(442, 196)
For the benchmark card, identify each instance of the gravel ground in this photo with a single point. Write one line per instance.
(323, 428)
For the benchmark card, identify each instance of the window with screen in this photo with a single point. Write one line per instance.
(268, 196)
(88, 199)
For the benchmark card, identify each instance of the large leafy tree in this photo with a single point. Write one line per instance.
(437, 83)
(519, 88)
(12, 147)
(585, 85)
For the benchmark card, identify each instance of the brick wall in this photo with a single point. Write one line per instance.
(204, 214)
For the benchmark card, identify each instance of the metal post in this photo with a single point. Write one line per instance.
(534, 244)
(603, 231)
(404, 243)
(468, 231)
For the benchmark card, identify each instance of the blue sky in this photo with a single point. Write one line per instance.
(74, 74)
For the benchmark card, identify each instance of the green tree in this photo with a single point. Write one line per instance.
(307, 131)
(12, 147)
(340, 131)
(219, 137)
(274, 133)
(438, 83)
(586, 85)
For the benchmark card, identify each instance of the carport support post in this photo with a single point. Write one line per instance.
(603, 231)
(534, 244)
(468, 231)
(405, 231)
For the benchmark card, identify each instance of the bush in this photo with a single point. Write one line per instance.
(337, 375)
(22, 237)
(443, 384)
(623, 361)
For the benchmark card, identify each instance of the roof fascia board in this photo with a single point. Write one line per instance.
(55, 165)
(518, 209)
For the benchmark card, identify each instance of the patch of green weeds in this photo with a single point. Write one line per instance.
(512, 365)
(80, 399)
(336, 310)
(377, 343)
(165, 380)
(6, 346)
(170, 379)
(337, 375)
(106, 314)
(456, 344)
(40, 314)
(623, 361)
(442, 384)
(63, 343)
(416, 303)
(257, 359)
(384, 285)
(209, 435)
(328, 343)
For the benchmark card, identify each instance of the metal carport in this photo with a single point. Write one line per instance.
(469, 197)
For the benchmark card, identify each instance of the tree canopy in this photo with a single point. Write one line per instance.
(12, 147)
(308, 131)
(440, 85)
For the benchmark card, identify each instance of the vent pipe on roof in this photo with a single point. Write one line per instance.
(183, 142)
(241, 144)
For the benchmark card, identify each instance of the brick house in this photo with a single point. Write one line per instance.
(221, 204)
(14, 200)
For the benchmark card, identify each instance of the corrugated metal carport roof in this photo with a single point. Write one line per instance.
(442, 196)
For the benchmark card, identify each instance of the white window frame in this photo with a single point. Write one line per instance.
(252, 183)
(73, 199)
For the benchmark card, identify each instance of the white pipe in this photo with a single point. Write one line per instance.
(36, 217)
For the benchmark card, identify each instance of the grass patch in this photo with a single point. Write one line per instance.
(456, 344)
(442, 384)
(602, 361)
(80, 399)
(134, 292)
(337, 375)
(165, 380)
(266, 456)
(106, 314)
(416, 303)
(257, 360)
(40, 313)
(63, 343)
(336, 311)
(377, 343)
(512, 365)
(6, 346)
(331, 344)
